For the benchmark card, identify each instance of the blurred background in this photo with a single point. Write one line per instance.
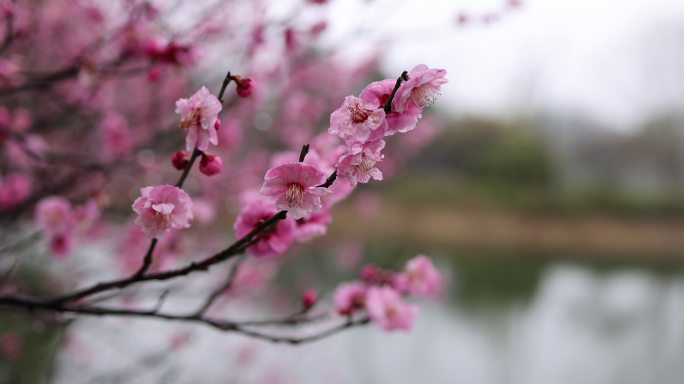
(551, 194)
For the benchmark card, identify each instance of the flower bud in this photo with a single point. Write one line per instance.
(245, 86)
(180, 160)
(369, 272)
(217, 124)
(309, 298)
(210, 164)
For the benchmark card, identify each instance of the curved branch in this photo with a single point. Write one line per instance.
(234, 249)
(242, 327)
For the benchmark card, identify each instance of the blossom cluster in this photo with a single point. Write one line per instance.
(60, 222)
(380, 293)
(351, 150)
(164, 207)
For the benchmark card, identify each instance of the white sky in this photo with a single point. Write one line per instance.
(617, 60)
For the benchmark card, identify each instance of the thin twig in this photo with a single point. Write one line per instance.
(223, 288)
(388, 104)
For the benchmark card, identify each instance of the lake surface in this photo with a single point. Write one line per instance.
(577, 325)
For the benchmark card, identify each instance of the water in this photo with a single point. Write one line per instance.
(579, 325)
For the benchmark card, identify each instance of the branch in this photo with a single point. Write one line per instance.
(234, 249)
(330, 180)
(388, 104)
(223, 288)
(242, 327)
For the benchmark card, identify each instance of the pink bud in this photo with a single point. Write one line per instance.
(369, 272)
(245, 86)
(210, 164)
(309, 298)
(61, 244)
(217, 124)
(180, 160)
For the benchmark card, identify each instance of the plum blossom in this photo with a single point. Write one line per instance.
(388, 311)
(161, 208)
(378, 92)
(359, 164)
(357, 121)
(350, 297)
(312, 225)
(86, 214)
(420, 277)
(295, 188)
(116, 136)
(273, 241)
(420, 90)
(54, 214)
(198, 119)
(14, 189)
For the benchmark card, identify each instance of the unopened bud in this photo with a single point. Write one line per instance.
(210, 164)
(245, 86)
(180, 160)
(309, 298)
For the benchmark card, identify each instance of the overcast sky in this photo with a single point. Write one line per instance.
(620, 61)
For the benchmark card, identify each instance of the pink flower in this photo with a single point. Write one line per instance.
(198, 118)
(274, 241)
(379, 92)
(54, 215)
(116, 136)
(86, 215)
(252, 276)
(420, 277)
(388, 311)
(294, 186)
(312, 225)
(357, 121)
(210, 164)
(359, 164)
(349, 297)
(14, 189)
(161, 208)
(421, 89)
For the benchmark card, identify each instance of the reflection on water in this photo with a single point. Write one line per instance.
(579, 326)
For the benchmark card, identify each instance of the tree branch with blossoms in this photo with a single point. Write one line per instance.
(292, 204)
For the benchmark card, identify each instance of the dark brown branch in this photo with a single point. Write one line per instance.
(195, 154)
(330, 180)
(147, 260)
(388, 104)
(302, 154)
(234, 249)
(244, 327)
(226, 81)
